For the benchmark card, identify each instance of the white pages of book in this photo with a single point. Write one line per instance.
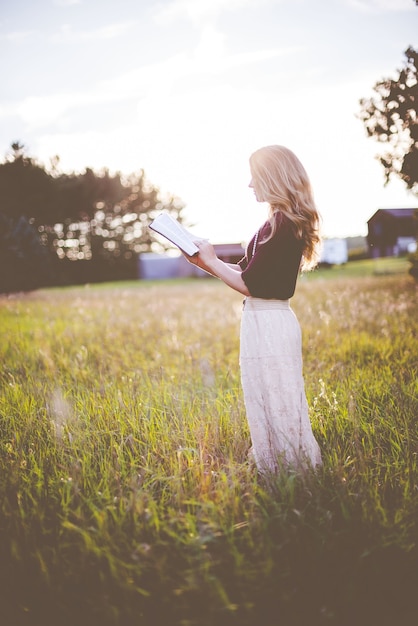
(171, 229)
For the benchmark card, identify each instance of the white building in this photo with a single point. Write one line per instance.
(334, 252)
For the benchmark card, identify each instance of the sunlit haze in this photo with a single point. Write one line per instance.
(187, 89)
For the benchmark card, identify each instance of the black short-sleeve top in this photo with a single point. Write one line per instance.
(271, 272)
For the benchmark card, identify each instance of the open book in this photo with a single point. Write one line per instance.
(171, 229)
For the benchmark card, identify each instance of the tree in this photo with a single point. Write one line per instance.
(391, 117)
(50, 197)
(25, 264)
(99, 219)
(26, 189)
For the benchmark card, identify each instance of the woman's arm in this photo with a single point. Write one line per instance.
(230, 274)
(234, 266)
(196, 260)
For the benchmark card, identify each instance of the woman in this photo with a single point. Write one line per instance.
(271, 346)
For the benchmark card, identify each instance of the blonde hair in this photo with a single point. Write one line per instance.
(280, 179)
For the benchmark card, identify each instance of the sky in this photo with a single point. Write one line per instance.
(187, 89)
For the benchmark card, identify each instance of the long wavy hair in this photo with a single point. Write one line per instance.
(280, 179)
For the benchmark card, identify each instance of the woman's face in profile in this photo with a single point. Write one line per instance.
(251, 185)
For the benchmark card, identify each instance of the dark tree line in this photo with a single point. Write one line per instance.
(59, 228)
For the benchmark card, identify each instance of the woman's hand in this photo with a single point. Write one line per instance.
(207, 252)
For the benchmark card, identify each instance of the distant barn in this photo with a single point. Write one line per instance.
(391, 232)
(229, 252)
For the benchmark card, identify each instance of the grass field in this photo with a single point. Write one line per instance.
(126, 497)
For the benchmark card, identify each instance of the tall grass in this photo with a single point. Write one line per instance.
(126, 494)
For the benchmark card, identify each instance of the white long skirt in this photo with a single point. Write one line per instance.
(273, 386)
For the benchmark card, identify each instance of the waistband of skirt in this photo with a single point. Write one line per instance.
(260, 304)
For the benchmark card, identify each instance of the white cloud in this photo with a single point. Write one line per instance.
(66, 34)
(211, 47)
(17, 36)
(199, 11)
(66, 3)
(155, 78)
(6, 111)
(211, 54)
(376, 6)
(38, 112)
(237, 60)
(159, 79)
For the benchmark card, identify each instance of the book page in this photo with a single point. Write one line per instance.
(171, 229)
